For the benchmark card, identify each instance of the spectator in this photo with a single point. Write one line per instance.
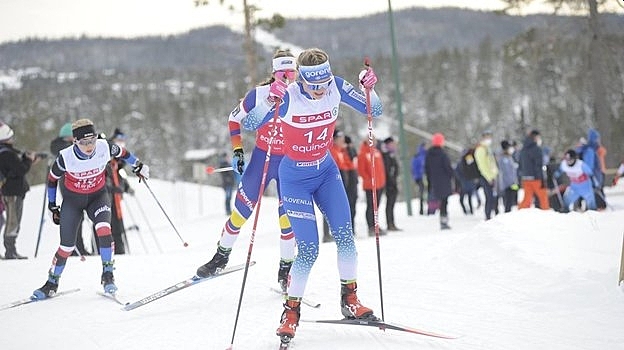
(484, 157)
(418, 170)
(66, 139)
(508, 176)
(228, 182)
(352, 176)
(365, 171)
(439, 173)
(531, 171)
(391, 166)
(14, 165)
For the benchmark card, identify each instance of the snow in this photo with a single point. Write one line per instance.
(528, 279)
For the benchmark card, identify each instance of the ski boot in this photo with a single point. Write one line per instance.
(289, 320)
(351, 307)
(218, 262)
(444, 223)
(282, 274)
(108, 280)
(48, 289)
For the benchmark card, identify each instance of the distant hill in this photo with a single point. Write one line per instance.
(418, 31)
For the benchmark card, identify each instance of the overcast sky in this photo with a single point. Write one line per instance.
(20, 19)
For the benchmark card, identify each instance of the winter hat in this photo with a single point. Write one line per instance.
(437, 140)
(388, 140)
(66, 130)
(338, 133)
(505, 145)
(593, 136)
(6, 133)
(534, 133)
(83, 128)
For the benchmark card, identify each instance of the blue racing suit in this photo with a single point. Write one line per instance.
(309, 174)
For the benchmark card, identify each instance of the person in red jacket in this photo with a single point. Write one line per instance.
(364, 165)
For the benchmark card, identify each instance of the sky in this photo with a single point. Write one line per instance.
(526, 280)
(21, 19)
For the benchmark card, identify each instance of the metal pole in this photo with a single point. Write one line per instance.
(407, 181)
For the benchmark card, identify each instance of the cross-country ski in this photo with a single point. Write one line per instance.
(383, 325)
(182, 285)
(33, 300)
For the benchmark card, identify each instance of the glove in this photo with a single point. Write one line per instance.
(238, 161)
(141, 170)
(56, 212)
(278, 87)
(367, 79)
(514, 187)
(615, 181)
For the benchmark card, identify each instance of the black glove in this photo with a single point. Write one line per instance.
(56, 212)
(238, 160)
(142, 171)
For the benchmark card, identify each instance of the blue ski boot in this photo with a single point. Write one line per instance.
(108, 280)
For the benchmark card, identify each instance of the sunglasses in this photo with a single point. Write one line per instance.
(88, 141)
(319, 86)
(288, 74)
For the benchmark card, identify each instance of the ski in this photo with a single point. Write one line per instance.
(182, 285)
(114, 297)
(305, 301)
(31, 300)
(383, 326)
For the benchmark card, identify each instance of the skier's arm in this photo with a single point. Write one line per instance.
(117, 151)
(263, 112)
(56, 171)
(356, 98)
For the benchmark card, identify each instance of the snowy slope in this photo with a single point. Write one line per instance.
(524, 280)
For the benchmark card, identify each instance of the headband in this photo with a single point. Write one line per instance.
(284, 63)
(318, 74)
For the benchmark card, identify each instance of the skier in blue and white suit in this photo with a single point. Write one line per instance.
(582, 180)
(309, 174)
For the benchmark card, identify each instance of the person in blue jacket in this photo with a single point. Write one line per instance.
(418, 170)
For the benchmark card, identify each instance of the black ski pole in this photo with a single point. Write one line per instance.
(371, 147)
(43, 210)
(164, 212)
(255, 223)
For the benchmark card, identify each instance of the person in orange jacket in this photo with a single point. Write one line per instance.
(365, 170)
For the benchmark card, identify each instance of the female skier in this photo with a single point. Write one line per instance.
(82, 165)
(309, 174)
(284, 67)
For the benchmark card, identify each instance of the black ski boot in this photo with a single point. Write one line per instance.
(282, 274)
(218, 262)
(48, 289)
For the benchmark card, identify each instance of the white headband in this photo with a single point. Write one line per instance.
(284, 63)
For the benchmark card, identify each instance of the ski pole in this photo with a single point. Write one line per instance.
(255, 223)
(149, 226)
(43, 209)
(164, 212)
(371, 147)
(559, 198)
(211, 170)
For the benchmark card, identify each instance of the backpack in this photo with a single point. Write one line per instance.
(468, 165)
